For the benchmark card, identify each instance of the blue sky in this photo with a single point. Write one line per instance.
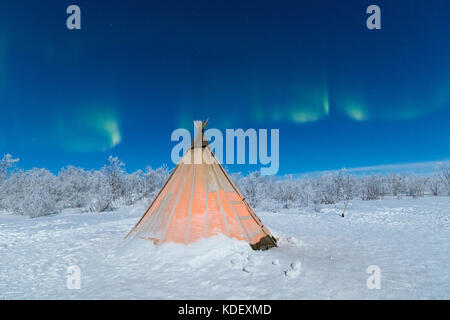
(341, 95)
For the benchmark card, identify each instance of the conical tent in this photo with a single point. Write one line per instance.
(199, 200)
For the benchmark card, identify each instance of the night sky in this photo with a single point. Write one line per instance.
(341, 95)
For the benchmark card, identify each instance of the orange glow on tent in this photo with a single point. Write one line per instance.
(199, 200)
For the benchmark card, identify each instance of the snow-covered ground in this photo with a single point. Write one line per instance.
(320, 255)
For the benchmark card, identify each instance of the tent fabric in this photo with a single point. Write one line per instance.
(199, 200)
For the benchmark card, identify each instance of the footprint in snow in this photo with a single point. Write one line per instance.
(249, 269)
(295, 270)
(292, 241)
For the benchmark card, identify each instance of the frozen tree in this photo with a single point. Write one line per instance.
(326, 188)
(42, 199)
(6, 163)
(434, 184)
(114, 172)
(12, 192)
(372, 188)
(349, 187)
(153, 180)
(32, 193)
(339, 182)
(73, 187)
(286, 191)
(443, 172)
(101, 197)
(307, 194)
(252, 186)
(416, 186)
(133, 187)
(396, 184)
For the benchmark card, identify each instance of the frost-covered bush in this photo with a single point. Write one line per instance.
(325, 189)
(396, 184)
(269, 204)
(133, 187)
(372, 187)
(307, 194)
(153, 180)
(252, 186)
(73, 187)
(443, 173)
(37, 203)
(6, 164)
(114, 173)
(101, 195)
(434, 184)
(286, 192)
(13, 192)
(32, 193)
(416, 186)
(143, 185)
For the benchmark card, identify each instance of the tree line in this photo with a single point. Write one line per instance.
(38, 192)
(332, 187)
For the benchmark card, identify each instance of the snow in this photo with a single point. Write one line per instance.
(320, 256)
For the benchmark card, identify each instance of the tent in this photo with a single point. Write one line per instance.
(199, 200)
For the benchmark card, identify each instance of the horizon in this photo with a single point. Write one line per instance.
(415, 168)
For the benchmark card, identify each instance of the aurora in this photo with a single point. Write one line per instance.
(88, 129)
(340, 95)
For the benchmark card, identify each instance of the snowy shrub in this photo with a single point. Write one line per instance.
(286, 192)
(133, 187)
(153, 180)
(32, 193)
(416, 186)
(372, 188)
(269, 204)
(443, 173)
(13, 192)
(349, 187)
(252, 187)
(307, 194)
(73, 187)
(115, 176)
(6, 164)
(143, 185)
(396, 184)
(39, 202)
(434, 184)
(101, 196)
(325, 189)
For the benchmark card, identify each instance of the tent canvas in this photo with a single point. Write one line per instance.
(200, 200)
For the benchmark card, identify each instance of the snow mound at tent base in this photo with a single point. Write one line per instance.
(214, 267)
